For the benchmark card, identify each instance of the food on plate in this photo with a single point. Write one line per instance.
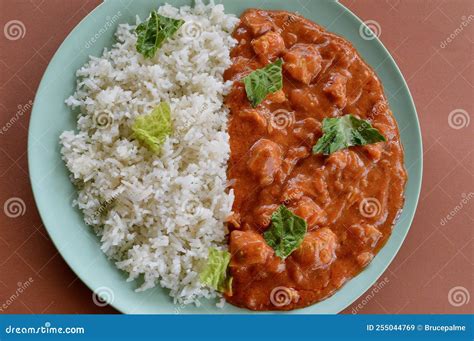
(150, 151)
(252, 160)
(316, 163)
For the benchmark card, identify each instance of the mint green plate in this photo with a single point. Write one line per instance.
(54, 193)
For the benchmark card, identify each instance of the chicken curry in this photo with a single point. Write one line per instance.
(347, 197)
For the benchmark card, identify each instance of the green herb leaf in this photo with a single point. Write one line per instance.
(215, 272)
(344, 132)
(152, 129)
(153, 32)
(262, 82)
(286, 232)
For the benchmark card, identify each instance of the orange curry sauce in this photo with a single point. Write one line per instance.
(349, 199)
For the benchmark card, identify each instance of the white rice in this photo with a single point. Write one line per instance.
(157, 215)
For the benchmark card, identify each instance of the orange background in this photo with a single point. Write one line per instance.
(435, 259)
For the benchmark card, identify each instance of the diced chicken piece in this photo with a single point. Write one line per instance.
(338, 54)
(302, 62)
(297, 153)
(355, 165)
(276, 97)
(264, 214)
(346, 160)
(257, 116)
(341, 165)
(291, 159)
(257, 21)
(248, 248)
(318, 249)
(290, 38)
(268, 46)
(304, 99)
(236, 97)
(354, 193)
(379, 108)
(307, 209)
(366, 234)
(364, 258)
(265, 161)
(241, 67)
(297, 187)
(298, 274)
(386, 130)
(335, 88)
(382, 121)
(268, 194)
(309, 33)
(321, 185)
(374, 150)
(338, 160)
(307, 130)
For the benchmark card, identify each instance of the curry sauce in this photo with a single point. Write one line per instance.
(349, 199)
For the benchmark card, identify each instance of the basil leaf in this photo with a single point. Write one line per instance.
(152, 129)
(153, 32)
(215, 272)
(343, 132)
(262, 82)
(286, 232)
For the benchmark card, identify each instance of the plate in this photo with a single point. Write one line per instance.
(54, 192)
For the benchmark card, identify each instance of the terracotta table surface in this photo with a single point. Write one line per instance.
(431, 41)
